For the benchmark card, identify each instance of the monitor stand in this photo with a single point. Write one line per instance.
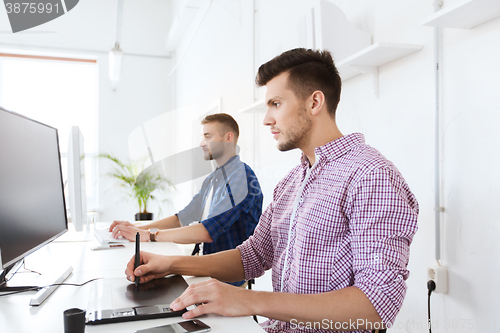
(30, 280)
(9, 273)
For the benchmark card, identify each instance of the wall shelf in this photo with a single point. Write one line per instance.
(369, 59)
(464, 14)
(257, 107)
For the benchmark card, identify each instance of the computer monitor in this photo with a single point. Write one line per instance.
(77, 195)
(32, 207)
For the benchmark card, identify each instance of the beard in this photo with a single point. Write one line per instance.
(215, 150)
(299, 132)
(207, 155)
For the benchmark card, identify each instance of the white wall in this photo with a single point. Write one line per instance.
(218, 64)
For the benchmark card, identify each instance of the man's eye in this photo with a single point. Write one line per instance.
(276, 104)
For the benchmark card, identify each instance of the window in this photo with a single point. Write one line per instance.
(60, 92)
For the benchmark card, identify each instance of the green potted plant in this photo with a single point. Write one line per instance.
(137, 184)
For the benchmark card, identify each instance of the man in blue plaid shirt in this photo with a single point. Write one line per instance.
(228, 205)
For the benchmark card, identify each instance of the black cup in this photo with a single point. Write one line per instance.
(74, 321)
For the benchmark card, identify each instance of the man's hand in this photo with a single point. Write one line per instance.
(116, 223)
(129, 232)
(216, 297)
(153, 266)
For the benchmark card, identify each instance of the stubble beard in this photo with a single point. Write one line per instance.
(299, 132)
(214, 152)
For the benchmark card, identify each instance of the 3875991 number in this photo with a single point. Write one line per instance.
(28, 7)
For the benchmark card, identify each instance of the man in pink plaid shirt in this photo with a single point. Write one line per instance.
(337, 233)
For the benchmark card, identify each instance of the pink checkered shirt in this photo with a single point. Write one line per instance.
(346, 221)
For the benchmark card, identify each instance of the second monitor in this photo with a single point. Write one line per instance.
(77, 194)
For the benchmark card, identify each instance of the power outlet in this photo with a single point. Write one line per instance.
(438, 274)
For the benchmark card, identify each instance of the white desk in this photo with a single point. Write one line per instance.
(17, 316)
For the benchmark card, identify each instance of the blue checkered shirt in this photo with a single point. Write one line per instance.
(235, 208)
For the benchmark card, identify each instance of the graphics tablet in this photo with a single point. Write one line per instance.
(118, 300)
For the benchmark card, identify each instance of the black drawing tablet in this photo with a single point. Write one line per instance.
(118, 300)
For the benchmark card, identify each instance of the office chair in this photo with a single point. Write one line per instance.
(196, 249)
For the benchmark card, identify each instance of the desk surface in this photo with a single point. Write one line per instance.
(17, 316)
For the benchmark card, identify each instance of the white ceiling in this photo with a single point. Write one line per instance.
(91, 26)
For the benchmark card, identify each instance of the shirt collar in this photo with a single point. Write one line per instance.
(334, 149)
(235, 158)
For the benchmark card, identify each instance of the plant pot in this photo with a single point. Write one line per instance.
(144, 216)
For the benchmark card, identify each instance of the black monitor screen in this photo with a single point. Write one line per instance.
(32, 208)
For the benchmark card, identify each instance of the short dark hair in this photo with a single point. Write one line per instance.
(308, 70)
(228, 122)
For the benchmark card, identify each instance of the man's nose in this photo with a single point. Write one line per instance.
(268, 118)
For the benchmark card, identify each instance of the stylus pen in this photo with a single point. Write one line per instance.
(137, 256)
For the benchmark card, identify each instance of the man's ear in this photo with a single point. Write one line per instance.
(229, 136)
(317, 102)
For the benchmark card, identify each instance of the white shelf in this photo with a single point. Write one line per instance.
(464, 14)
(373, 56)
(256, 107)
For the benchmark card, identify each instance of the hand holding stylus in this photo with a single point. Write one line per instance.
(152, 266)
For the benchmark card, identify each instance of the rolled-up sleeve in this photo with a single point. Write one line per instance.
(383, 223)
(257, 251)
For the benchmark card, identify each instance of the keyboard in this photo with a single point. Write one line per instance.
(103, 236)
